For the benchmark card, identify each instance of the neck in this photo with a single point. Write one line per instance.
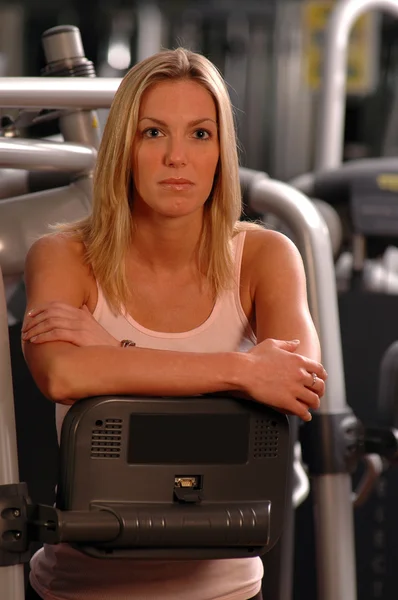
(167, 244)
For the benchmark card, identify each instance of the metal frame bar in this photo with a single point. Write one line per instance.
(57, 92)
(334, 527)
(331, 118)
(24, 218)
(11, 578)
(46, 156)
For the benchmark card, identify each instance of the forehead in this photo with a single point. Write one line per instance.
(185, 98)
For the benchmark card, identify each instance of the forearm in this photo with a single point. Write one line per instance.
(77, 372)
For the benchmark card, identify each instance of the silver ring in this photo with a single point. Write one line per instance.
(314, 378)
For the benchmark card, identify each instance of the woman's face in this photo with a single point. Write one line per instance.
(175, 149)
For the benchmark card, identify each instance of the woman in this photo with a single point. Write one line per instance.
(209, 303)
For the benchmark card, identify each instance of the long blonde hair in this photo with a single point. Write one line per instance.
(107, 231)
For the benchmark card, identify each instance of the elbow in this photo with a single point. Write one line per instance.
(59, 382)
(57, 388)
(52, 375)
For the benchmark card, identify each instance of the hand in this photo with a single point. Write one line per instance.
(283, 379)
(58, 322)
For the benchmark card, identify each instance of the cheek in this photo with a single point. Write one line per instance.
(143, 164)
(210, 168)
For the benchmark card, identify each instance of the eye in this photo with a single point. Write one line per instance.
(202, 134)
(152, 132)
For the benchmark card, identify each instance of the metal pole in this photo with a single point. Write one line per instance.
(46, 156)
(57, 92)
(333, 511)
(330, 130)
(11, 578)
(24, 218)
(64, 53)
(149, 29)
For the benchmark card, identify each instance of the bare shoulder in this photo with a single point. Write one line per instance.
(267, 249)
(55, 269)
(56, 248)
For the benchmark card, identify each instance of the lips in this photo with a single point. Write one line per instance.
(176, 181)
(176, 184)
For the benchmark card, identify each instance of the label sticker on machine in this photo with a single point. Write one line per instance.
(374, 205)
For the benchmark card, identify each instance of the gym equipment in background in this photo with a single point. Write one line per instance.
(363, 192)
(364, 196)
(330, 126)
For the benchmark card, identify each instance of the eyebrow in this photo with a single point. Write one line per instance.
(191, 123)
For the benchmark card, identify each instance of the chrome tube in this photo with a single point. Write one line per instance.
(334, 527)
(64, 53)
(25, 218)
(57, 92)
(42, 155)
(11, 578)
(331, 118)
(13, 182)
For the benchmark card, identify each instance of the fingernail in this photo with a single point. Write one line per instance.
(34, 338)
(309, 417)
(30, 312)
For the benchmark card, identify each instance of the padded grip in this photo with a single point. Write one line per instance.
(213, 525)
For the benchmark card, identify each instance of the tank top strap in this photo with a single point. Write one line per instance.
(239, 242)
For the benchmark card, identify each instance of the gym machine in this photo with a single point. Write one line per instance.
(330, 126)
(361, 191)
(362, 194)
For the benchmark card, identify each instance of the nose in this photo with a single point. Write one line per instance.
(176, 153)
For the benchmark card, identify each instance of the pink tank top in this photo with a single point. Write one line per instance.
(62, 573)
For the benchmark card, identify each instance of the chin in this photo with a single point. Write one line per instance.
(182, 209)
(178, 213)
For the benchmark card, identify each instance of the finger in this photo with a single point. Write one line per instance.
(29, 323)
(297, 407)
(288, 345)
(40, 325)
(49, 325)
(315, 367)
(311, 380)
(308, 397)
(33, 312)
(301, 410)
(55, 335)
(50, 313)
(290, 413)
(51, 306)
(319, 387)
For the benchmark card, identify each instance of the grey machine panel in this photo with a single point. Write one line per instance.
(201, 477)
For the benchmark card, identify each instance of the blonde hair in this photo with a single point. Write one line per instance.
(107, 231)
